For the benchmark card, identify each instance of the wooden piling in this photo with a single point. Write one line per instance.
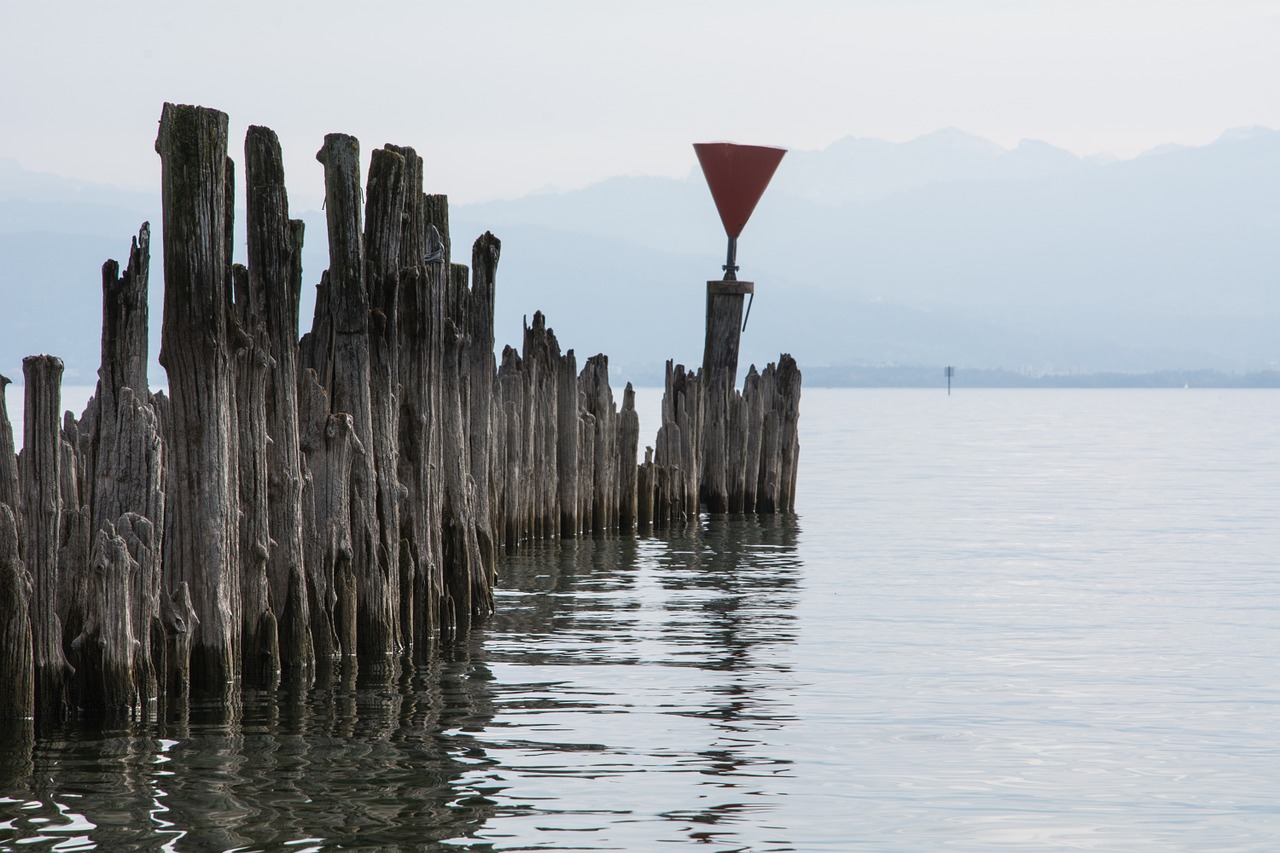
(384, 225)
(195, 350)
(17, 668)
(125, 353)
(274, 243)
(720, 376)
(10, 494)
(350, 385)
(42, 513)
(260, 641)
(568, 441)
(481, 368)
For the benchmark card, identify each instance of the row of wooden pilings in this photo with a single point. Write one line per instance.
(287, 504)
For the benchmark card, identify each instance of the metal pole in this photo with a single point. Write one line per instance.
(730, 264)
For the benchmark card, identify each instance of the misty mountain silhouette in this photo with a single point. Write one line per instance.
(947, 249)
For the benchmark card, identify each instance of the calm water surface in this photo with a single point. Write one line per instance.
(1022, 620)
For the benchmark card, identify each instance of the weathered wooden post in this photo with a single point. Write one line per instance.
(259, 636)
(275, 285)
(124, 365)
(105, 644)
(416, 610)
(384, 228)
(9, 493)
(411, 362)
(42, 514)
(628, 471)
(17, 673)
(737, 176)
(567, 429)
(350, 385)
(481, 368)
(429, 580)
(203, 548)
(544, 397)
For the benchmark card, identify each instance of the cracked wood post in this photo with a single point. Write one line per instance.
(202, 549)
(430, 579)
(719, 377)
(74, 530)
(42, 515)
(679, 444)
(416, 613)
(508, 449)
(788, 402)
(349, 389)
(123, 365)
(124, 462)
(104, 646)
(482, 370)
(736, 439)
(753, 433)
(541, 416)
(597, 401)
(17, 662)
(275, 287)
(568, 427)
(628, 471)
(410, 331)
(645, 489)
(9, 491)
(141, 538)
(384, 222)
(326, 518)
(467, 593)
(337, 452)
(770, 448)
(134, 467)
(259, 637)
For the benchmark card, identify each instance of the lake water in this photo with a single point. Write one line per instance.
(1001, 620)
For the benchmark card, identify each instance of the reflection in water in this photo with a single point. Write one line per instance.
(362, 762)
(675, 653)
(623, 695)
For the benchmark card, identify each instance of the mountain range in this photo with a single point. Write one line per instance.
(944, 250)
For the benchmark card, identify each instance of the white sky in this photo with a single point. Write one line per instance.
(503, 97)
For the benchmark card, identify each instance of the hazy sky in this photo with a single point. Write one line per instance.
(502, 97)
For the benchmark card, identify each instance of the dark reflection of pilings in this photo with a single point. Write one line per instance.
(380, 757)
(725, 590)
(748, 569)
(397, 756)
(552, 576)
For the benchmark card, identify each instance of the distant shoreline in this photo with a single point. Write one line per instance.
(846, 376)
(919, 377)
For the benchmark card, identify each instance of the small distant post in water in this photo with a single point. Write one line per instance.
(951, 371)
